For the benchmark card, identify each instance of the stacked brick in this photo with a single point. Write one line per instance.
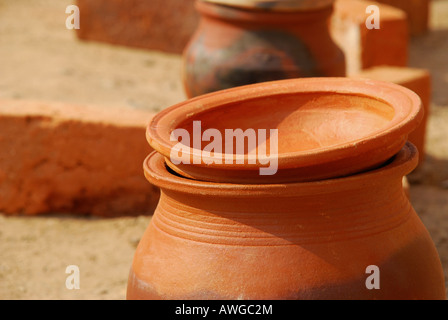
(164, 25)
(417, 12)
(363, 47)
(59, 158)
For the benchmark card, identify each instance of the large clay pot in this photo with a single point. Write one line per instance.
(327, 127)
(248, 42)
(313, 240)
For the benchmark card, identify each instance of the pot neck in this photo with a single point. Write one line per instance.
(330, 210)
(264, 221)
(243, 15)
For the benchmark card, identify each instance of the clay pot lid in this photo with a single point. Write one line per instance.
(276, 5)
(327, 128)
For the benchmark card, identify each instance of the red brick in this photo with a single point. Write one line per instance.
(419, 81)
(59, 158)
(366, 48)
(417, 11)
(164, 25)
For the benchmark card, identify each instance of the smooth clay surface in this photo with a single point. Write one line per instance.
(325, 128)
(41, 59)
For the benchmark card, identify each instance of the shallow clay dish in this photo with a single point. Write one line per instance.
(327, 127)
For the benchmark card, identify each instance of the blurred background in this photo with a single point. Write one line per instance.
(43, 62)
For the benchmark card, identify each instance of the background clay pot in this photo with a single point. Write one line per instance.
(327, 127)
(276, 5)
(236, 46)
(289, 241)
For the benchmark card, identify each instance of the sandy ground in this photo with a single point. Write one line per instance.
(41, 59)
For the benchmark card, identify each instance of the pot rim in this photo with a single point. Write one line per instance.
(407, 105)
(275, 5)
(157, 173)
(257, 16)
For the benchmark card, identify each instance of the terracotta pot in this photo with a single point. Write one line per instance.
(313, 240)
(236, 46)
(327, 127)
